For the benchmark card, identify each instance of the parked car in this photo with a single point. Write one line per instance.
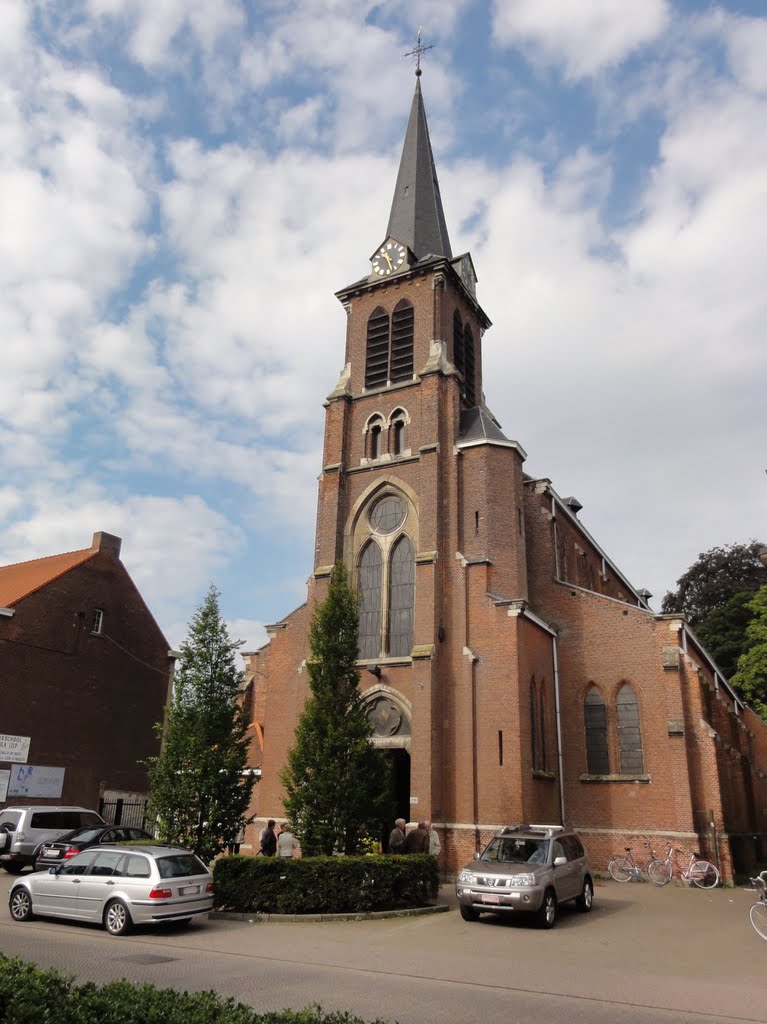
(527, 869)
(24, 828)
(119, 887)
(48, 854)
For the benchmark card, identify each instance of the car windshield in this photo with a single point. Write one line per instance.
(516, 850)
(180, 865)
(83, 835)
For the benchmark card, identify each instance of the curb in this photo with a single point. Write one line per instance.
(372, 915)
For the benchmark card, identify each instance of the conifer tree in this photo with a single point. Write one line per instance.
(199, 795)
(337, 783)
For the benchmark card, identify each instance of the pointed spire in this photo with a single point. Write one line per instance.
(417, 218)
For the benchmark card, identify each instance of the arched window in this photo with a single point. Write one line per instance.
(629, 733)
(377, 351)
(386, 533)
(375, 441)
(544, 755)
(401, 598)
(469, 373)
(533, 724)
(402, 322)
(370, 576)
(595, 720)
(397, 432)
(458, 360)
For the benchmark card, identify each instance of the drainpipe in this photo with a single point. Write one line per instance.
(559, 730)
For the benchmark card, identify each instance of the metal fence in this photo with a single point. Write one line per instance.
(124, 812)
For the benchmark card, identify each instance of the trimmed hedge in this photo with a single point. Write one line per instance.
(324, 885)
(30, 995)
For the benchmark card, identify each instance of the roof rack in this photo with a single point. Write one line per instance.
(545, 830)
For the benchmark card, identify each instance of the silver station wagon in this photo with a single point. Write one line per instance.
(118, 886)
(526, 869)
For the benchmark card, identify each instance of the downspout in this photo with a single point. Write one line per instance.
(559, 730)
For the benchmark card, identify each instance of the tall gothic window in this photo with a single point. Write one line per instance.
(386, 579)
(543, 757)
(458, 360)
(469, 373)
(389, 351)
(533, 724)
(629, 734)
(595, 720)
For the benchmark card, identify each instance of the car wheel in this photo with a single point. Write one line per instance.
(468, 914)
(585, 901)
(20, 905)
(547, 915)
(117, 919)
(13, 867)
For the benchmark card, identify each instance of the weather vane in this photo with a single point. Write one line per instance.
(419, 49)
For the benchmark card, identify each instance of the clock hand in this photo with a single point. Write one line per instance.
(388, 260)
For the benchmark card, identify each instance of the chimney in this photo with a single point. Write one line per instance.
(106, 542)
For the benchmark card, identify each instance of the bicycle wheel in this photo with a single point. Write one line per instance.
(758, 915)
(704, 875)
(621, 869)
(659, 872)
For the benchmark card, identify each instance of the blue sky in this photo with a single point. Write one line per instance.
(174, 172)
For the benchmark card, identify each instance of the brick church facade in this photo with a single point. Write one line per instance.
(510, 669)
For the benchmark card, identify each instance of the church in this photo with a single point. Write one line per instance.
(510, 670)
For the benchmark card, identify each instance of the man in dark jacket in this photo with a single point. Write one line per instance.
(417, 840)
(268, 840)
(397, 837)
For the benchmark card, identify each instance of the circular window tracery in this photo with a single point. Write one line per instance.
(387, 514)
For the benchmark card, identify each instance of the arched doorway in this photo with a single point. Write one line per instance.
(390, 719)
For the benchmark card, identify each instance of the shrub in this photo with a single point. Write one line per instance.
(324, 885)
(30, 995)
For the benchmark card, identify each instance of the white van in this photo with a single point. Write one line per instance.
(22, 829)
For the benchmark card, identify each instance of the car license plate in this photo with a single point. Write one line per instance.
(188, 890)
(490, 897)
(50, 853)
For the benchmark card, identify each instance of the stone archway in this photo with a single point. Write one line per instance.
(390, 718)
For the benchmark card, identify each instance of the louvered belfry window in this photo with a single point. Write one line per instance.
(629, 734)
(469, 373)
(402, 321)
(458, 360)
(371, 571)
(595, 720)
(401, 598)
(377, 352)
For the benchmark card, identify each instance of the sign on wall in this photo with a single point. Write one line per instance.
(5, 776)
(14, 748)
(36, 780)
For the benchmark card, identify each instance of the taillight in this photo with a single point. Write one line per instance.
(209, 887)
(160, 894)
(70, 852)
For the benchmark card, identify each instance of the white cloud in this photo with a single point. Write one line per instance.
(586, 35)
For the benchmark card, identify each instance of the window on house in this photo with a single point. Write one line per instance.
(98, 620)
(386, 581)
(629, 733)
(595, 718)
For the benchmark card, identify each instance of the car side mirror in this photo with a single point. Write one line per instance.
(559, 861)
(53, 871)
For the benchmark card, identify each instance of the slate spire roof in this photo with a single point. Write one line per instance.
(417, 218)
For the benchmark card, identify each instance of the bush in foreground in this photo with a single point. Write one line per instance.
(324, 885)
(30, 995)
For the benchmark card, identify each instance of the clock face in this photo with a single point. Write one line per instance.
(389, 259)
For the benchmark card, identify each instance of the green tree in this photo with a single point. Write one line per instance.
(197, 790)
(751, 677)
(336, 782)
(715, 577)
(723, 631)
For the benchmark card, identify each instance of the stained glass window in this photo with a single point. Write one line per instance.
(595, 716)
(388, 514)
(370, 578)
(401, 598)
(629, 734)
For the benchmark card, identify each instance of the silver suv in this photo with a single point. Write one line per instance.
(529, 869)
(23, 829)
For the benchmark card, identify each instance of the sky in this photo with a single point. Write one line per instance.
(184, 185)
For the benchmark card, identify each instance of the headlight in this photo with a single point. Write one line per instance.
(467, 876)
(524, 879)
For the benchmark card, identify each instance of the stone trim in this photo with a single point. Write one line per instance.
(614, 778)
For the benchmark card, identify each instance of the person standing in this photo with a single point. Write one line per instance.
(397, 837)
(268, 840)
(417, 840)
(286, 842)
(434, 844)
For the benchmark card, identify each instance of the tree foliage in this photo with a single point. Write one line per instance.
(715, 577)
(723, 631)
(198, 792)
(751, 677)
(336, 782)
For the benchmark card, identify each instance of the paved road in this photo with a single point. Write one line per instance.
(644, 956)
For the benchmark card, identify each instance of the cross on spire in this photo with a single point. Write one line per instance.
(417, 51)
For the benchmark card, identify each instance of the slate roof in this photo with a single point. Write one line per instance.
(417, 218)
(24, 578)
(477, 425)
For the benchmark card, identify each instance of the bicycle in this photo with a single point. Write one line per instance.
(758, 912)
(624, 868)
(702, 873)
